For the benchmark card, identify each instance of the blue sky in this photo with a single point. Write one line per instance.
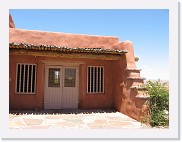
(147, 29)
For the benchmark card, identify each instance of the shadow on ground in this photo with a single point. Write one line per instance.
(61, 111)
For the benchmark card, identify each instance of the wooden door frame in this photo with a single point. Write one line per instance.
(63, 65)
(46, 80)
(77, 80)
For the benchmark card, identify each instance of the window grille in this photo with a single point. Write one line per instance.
(25, 78)
(54, 77)
(95, 79)
(70, 77)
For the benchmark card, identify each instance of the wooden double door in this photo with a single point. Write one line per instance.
(61, 87)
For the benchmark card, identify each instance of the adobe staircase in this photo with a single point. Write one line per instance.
(136, 83)
(135, 95)
(138, 93)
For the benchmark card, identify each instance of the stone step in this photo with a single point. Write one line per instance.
(136, 78)
(133, 74)
(138, 87)
(133, 69)
(142, 96)
(137, 83)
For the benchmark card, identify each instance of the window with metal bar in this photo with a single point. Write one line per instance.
(25, 78)
(95, 79)
(70, 77)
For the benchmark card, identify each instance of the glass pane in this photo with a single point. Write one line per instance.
(70, 77)
(54, 77)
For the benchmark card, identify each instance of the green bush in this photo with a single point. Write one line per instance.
(158, 103)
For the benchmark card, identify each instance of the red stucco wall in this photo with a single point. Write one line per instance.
(105, 100)
(125, 99)
(24, 101)
(11, 22)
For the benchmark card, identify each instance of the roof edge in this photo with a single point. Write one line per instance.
(31, 30)
(13, 45)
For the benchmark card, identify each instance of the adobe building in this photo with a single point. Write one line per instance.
(50, 70)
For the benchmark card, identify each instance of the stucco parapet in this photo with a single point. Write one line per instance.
(61, 39)
(11, 22)
(65, 49)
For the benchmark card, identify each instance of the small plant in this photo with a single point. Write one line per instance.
(158, 103)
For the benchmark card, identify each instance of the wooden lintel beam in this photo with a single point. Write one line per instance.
(65, 55)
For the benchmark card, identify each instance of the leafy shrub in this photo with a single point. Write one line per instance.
(158, 103)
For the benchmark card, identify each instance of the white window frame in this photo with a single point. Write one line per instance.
(65, 76)
(95, 92)
(24, 79)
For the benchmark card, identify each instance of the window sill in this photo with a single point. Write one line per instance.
(95, 93)
(25, 94)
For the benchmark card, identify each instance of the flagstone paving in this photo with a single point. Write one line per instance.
(71, 119)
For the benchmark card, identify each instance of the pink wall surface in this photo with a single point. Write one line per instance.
(86, 101)
(125, 99)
